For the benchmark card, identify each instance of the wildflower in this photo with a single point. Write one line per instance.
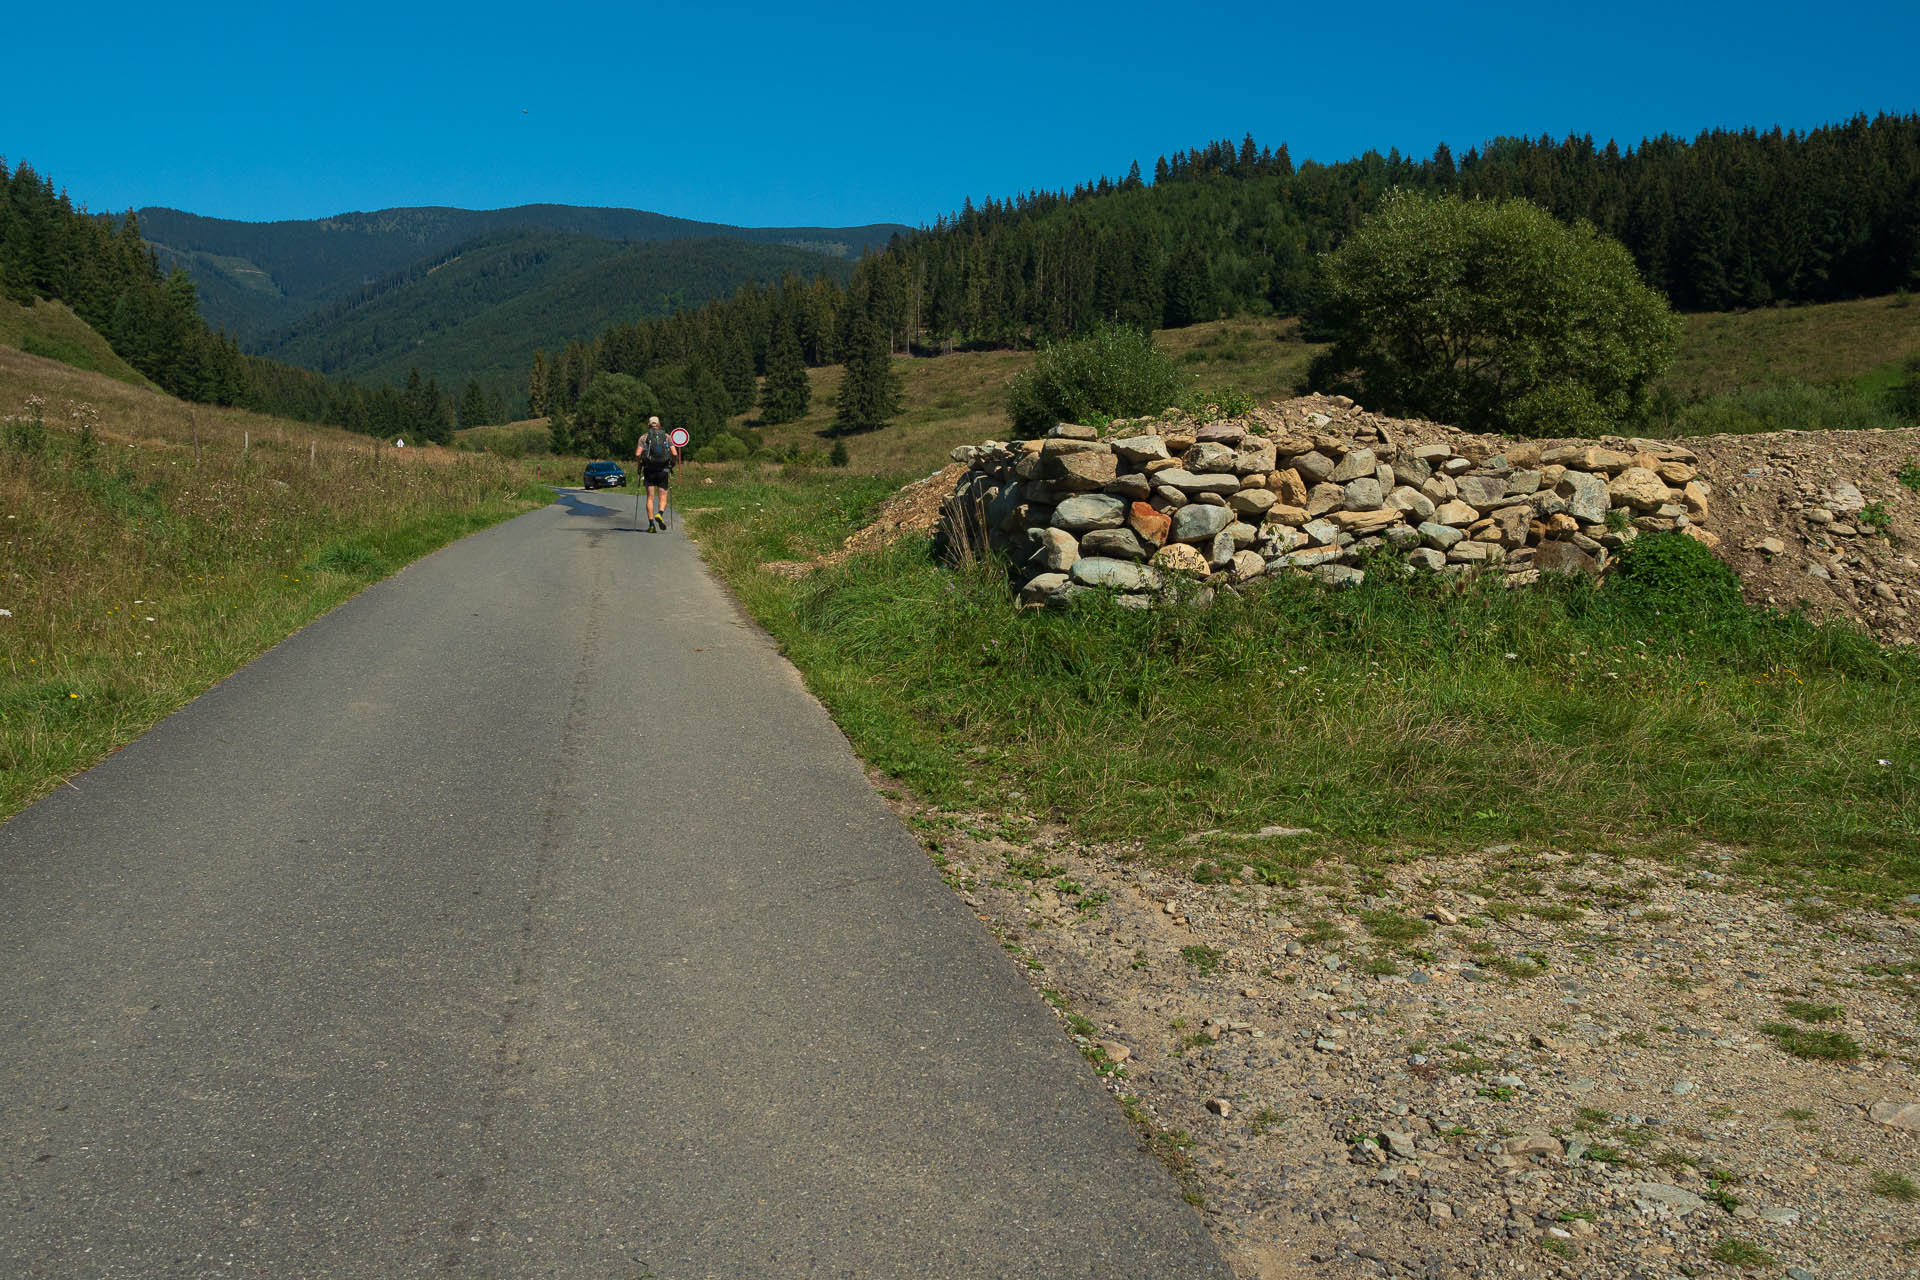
(6, 613)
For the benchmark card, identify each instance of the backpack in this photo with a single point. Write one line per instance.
(657, 451)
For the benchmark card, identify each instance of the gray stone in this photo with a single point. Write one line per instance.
(1412, 472)
(1323, 498)
(1247, 565)
(1133, 487)
(1844, 498)
(1586, 496)
(1089, 511)
(1209, 457)
(1401, 537)
(1195, 523)
(1119, 575)
(1141, 449)
(1338, 575)
(1523, 482)
(1531, 1144)
(1426, 558)
(1416, 504)
(1399, 1144)
(1054, 550)
(1047, 589)
(1321, 532)
(1474, 552)
(1242, 533)
(1190, 483)
(1220, 550)
(1676, 1198)
(1227, 433)
(1079, 472)
(1278, 539)
(1363, 494)
(1073, 431)
(1455, 513)
(1432, 454)
(1254, 459)
(1314, 467)
(1115, 544)
(1253, 502)
(1360, 462)
(1443, 536)
(1311, 557)
(1895, 1114)
(1482, 491)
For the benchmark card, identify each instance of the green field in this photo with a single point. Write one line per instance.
(49, 329)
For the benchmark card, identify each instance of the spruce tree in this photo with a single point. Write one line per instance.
(870, 392)
(788, 391)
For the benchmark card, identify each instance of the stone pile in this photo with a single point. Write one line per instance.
(1312, 487)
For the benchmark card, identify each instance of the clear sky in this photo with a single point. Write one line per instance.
(767, 114)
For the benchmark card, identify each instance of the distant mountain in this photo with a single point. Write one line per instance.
(257, 277)
(481, 308)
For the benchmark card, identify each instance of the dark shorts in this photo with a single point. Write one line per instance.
(656, 478)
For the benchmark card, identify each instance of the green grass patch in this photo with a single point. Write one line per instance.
(1895, 1186)
(1738, 1252)
(1380, 715)
(1808, 1011)
(1833, 1046)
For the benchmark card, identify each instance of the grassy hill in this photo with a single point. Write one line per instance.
(153, 547)
(49, 329)
(257, 277)
(482, 308)
(961, 398)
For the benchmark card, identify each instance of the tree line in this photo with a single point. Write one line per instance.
(1730, 219)
(102, 270)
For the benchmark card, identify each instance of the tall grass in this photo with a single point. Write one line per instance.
(145, 555)
(1787, 406)
(1407, 713)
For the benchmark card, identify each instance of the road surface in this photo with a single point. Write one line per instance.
(525, 917)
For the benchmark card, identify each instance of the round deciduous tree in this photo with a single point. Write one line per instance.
(609, 417)
(1493, 316)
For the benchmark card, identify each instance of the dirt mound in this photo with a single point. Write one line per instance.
(914, 509)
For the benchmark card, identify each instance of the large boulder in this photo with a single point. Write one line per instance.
(1079, 472)
(1140, 450)
(1117, 575)
(1640, 489)
(1115, 544)
(1054, 550)
(1197, 523)
(1585, 495)
(1181, 558)
(1360, 462)
(1089, 511)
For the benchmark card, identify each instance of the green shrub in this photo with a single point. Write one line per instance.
(1903, 397)
(1114, 373)
(1491, 315)
(724, 447)
(1670, 573)
(1208, 405)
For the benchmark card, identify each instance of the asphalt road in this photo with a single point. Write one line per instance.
(525, 917)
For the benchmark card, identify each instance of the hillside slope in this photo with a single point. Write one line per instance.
(483, 308)
(50, 329)
(255, 277)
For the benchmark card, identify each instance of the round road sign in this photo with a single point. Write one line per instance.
(679, 437)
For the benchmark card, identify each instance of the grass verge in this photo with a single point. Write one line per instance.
(138, 568)
(1407, 714)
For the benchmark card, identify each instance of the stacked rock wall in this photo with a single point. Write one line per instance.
(1311, 487)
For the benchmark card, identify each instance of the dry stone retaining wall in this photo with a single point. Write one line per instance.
(1313, 486)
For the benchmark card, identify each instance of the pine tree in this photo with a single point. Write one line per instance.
(788, 391)
(473, 406)
(870, 391)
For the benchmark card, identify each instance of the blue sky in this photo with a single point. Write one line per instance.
(764, 115)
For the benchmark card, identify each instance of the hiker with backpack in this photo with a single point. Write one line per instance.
(658, 455)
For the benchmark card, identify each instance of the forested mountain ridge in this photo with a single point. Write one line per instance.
(257, 277)
(480, 309)
(1729, 219)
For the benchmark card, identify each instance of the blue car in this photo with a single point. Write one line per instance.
(603, 475)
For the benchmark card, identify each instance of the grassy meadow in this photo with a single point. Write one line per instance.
(1402, 717)
(147, 549)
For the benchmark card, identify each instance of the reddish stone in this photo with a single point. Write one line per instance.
(1152, 527)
